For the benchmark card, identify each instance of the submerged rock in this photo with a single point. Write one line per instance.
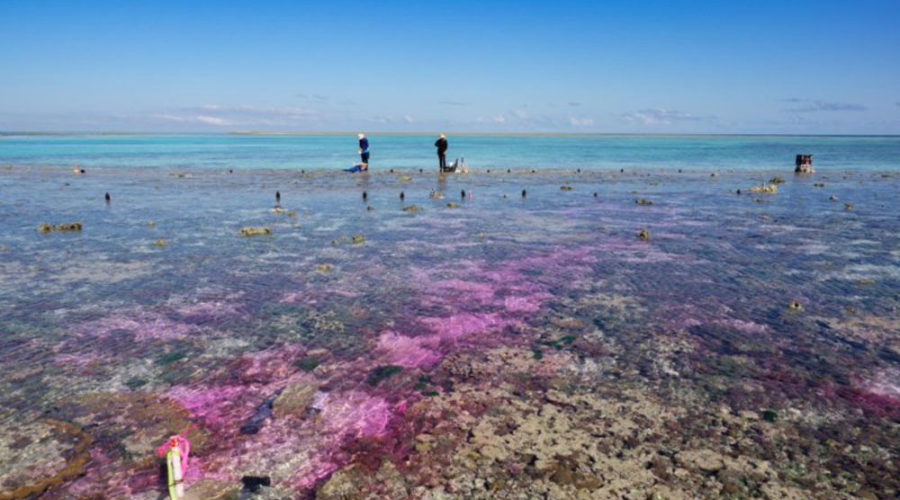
(39, 455)
(255, 231)
(46, 228)
(294, 399)
(765, 189)
(211, 489)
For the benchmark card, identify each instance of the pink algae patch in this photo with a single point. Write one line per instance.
(145, 325)
(460, 325)
(354, 413)
(470, 290)
(219, 407)
(409, 352)
(525, 304)
(743, 326)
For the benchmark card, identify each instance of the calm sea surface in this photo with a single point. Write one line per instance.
(481, 151)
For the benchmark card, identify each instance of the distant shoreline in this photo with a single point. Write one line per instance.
(274, 133)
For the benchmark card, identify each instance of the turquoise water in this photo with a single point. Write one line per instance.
(481, 151)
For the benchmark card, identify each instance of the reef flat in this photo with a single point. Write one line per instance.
(527, 334)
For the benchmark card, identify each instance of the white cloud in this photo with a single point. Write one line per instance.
(580, 122)
(659, 116)
(815, 105)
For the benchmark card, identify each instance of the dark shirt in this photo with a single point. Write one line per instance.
(441, 144)
(364, 144)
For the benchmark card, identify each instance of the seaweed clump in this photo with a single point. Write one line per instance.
(381, 373)
(46, 228)
(255, 231)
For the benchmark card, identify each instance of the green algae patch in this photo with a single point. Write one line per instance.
(382, 373)
(308, 363)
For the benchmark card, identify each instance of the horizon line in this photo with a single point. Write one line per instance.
(6, 133)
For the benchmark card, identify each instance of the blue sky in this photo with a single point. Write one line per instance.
(506, 66)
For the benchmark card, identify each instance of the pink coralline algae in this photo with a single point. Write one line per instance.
(144, 325)
(454, 327)
(218, 408)
(409, 352)
(355, 413)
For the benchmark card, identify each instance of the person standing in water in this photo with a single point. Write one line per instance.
(363, 150)
(441, 145)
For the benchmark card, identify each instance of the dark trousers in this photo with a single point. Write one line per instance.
(364, 157)
(442, 159)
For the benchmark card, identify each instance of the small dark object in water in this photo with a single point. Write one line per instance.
(402, 195)
(848, 206)
(508, 171)
(578, 171)
(769, 416)
(230, 170)
(776, 180)
(738, 191)
(253, 483)
(833, 198)
(277, 196)
(108, 199)
(533, 171)
(365, 195)
(462, 194)
(420, 170)
(253, 424)
(566, 188)
(303, 171)
(524, 193)
(644, 234)
(795, 306)
(679, 170)
(488, 170)
(622, 170)
(391, 170)
(643, 201)
(595, 194)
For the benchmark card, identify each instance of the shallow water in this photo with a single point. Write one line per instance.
(223, 151)
(130, 341)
